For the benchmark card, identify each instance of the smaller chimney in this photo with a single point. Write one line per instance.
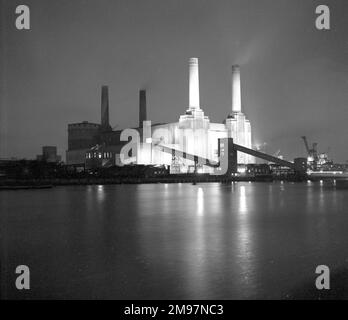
(105, 125)
(142, 107)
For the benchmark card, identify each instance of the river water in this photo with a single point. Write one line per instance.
(173, 241)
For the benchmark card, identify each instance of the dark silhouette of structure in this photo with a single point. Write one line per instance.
(142, 107)
(105, 125)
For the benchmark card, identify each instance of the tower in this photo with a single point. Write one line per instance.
(142, 107)
(238, 126)
(194, 84)
(105, 126)
(193, 125)
(236, 89)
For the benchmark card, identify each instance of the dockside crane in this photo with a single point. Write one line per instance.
(312, 152)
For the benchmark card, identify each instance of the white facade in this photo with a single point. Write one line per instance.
(194, 133)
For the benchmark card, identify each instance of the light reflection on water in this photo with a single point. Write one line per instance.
(100, 193)
(242, 201)
(239, 240)
(200, 202)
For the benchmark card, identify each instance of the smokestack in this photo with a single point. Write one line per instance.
(236, 90)
(105, 108)
(142, 107)
(194, 83)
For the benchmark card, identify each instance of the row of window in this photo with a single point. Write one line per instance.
(98, 155)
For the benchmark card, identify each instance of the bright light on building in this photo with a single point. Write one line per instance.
(241, 170)
(194, 134)
(200, 170)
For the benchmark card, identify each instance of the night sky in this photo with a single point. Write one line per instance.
(294, 77)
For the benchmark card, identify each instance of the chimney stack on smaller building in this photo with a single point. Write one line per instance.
(142, 107)
(105, 125)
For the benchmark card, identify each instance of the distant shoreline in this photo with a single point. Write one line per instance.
(43, 183)
(12, 184)
(36, 183)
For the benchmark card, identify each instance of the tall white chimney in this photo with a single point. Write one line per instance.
(194, 83)
(236, 90)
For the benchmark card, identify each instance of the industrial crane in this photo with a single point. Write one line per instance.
(312, 152)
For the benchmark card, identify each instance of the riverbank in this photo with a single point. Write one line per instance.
(13, 184)
(25, 187)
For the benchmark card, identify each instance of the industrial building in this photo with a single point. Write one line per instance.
(49, 154)
(91, 144)
(81, 137)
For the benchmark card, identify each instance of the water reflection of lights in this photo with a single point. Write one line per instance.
(244, 242)
(245, 256)
(321, 202)
(200, 202)
(242, 200)
(100, 193)
(166, 191)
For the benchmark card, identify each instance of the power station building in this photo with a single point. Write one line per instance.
(193, 133)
